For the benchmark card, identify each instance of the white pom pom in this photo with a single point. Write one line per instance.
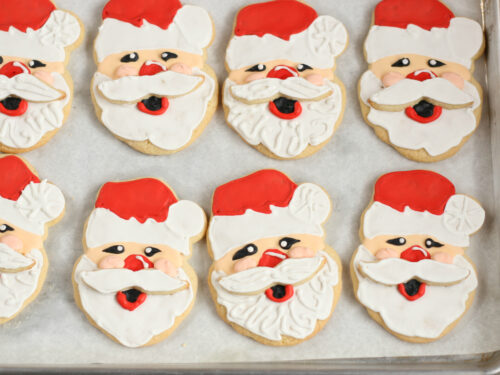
(61, 29)
(465, 36)
(463, 215)
(195, 25)
(186, 218)
(327, 35)
(310, 203)
(41, 202)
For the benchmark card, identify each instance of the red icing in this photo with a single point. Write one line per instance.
(286, 116)
(288, 294)
(421, 75)
(12, 69)
(164, 106)
(411, 113)
(257, 192)
(283, 72)
(281, 18)
(420, 190)
(132, 262)
(415, 254)
(269, 258)
(142, 199)
(22, 14)
(423, 13)
(14, 176)
(420, 293)
(131, 306)
(20, 110)
(157, 12)
(151, 69)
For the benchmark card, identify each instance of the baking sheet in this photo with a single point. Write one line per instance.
(83, 155)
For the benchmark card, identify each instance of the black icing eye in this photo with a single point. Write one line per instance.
(257, 68)
(5, 228)
(36, 64)
(150, 251)
(165, 56)
(401, 63)
(117, 249)
(399, 241)
(131, 57)
(429, 242)
(1, 60)
(287, 242)
(435, 63)
(302, 67)
(249, 249)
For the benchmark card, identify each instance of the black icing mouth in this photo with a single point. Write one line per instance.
(285, 105)
(424, 109)
(153, 103)
(279, 291)
(132, 295)
(11, 103)
(412, 287)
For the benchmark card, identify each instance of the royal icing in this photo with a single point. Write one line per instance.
(28, 87)
(11, 260)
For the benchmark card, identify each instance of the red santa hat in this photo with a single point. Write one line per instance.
(264, 204)
(285, 29)
(131, 25)
(36, 29)
(25, 201)
(422, 202)
(422, 27)
(144, 211)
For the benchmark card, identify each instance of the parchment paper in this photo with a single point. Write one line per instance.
(84, 155)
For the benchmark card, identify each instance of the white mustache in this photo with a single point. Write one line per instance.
(393, 271)
(256, 280)
(409, 92)
(28, 87)
(118, 279)
(267, 89)
(11, 261)
(135, 88)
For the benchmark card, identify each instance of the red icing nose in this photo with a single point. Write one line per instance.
(137, 262)
(421, 75)
(271, 258)
(14, 68)
(150, 68)
(282, 72)
(415, 254)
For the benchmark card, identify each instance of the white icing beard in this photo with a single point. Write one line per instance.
(170, 130)
(26, 130)
(16, 288)
(436, 137)
(131, 328)
(285, 138)
(296, 317)
(426, 317)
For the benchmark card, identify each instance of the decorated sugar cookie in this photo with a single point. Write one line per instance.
(274, 278)
(133, 282)
(410, 271)
(419, 93)
(28, 206)
(282, 95)
(152, 88)
(36, 91)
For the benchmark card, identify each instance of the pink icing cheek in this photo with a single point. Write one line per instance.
(181, 68)
(443, 257)
(255, 76)
(316, 79)
(111, 261)
(14, 242)
(301, 252)
(391, 79)
(44, 76)
(454, 78)
(386, 253)
(244, 264)
(124, 71)
(166, 266)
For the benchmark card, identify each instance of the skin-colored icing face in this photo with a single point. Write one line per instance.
(249, 255)
(18, 239)
(391, 246)
(129, 63)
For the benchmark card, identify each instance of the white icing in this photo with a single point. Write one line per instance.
(463, 214)
(190, 31)
(169, 131)
(307, 210)
(297, 317)
(28, 87)
(317, 46)
(16, 288)
(426, 317)
(185, 220)
(285, 138)
(254, 280)
(135, 88)
(12, 260)
(118, 279)
(26, 130)
(47, 43)
(459, 43)
(436, 137)
(132, 328)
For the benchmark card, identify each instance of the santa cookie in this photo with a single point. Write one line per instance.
(418, 93)
(410, 271)
(282, 95)
(152, 88)
(28, 206)
(274, 278)
(36, 39)
(133, 281)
